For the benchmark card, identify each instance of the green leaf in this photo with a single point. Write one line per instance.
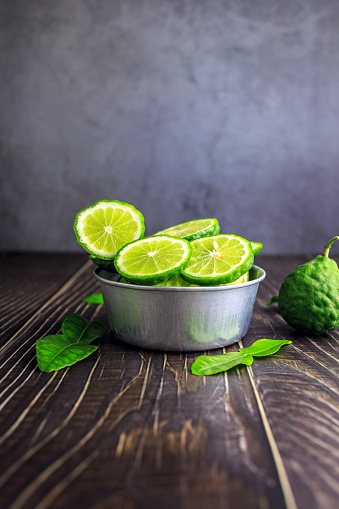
(60, 350)
(212, 364)
(273, 299)
(96, 298)
(264, 347)
(52, 336)
(54, 353)
(77, 329)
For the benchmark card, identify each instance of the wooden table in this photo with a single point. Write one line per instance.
(128, 428)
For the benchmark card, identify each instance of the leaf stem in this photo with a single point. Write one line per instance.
(329, 244)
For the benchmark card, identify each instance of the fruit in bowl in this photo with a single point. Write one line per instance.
(186, 288)
(194, 251)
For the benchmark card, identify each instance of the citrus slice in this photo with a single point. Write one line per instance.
(176, 282)
(242, 279)
(103, 228)
(218, 260)
(180, 282)
(192, 230)
(105, 264)
(256, 247)
(153, 259)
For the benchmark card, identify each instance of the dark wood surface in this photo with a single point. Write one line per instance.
(128, 428)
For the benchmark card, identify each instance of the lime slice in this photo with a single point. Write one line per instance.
(123, 280)
(103, 228)
(256, 247)
(218, 260)
(153, 259)
(180, 282)
(242, 279)
(176, 282)
(105, 264)
(192, 230)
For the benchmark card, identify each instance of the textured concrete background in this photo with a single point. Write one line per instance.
(185, 108)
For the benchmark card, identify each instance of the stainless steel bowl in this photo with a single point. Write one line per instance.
(179, 319)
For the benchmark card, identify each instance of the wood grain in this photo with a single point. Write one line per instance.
(27, 282)
(299, 391)
(134, 429)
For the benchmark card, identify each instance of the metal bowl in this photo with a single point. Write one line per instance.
(179, 319)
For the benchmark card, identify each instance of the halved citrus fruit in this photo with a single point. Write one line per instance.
(153, 259)
(242, 279)
(218, 260)
(103, 228)
(180, 282)
(192, 230)
(104, 264)
(176, 282)
(256, 247)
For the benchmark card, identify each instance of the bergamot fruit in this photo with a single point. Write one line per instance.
(309, 297)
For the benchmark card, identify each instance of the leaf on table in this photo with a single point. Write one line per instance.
(57, 352)
(212, 364)
(264, 347)
(52, 336)
(77, 329)
(60, 350)
(96, 298)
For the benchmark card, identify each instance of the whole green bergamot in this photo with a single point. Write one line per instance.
(309, 297)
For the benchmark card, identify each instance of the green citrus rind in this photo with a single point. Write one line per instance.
(91, 220)
(308, 298)
(192, 230)
(218, 260)
(256, 247)
(179, 282)
(242, 279)
(105, 264)
(135, 263)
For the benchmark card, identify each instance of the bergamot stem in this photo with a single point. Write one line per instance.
(329, 244)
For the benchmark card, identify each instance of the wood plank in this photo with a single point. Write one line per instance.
(28, 281)
(299, 391)
(134, 429)
(134, 424)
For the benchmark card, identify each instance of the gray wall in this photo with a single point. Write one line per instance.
(184, 108)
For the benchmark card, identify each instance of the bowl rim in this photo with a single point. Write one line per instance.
(180, 288)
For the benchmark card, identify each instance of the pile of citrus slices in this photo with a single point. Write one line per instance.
(193, 253)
